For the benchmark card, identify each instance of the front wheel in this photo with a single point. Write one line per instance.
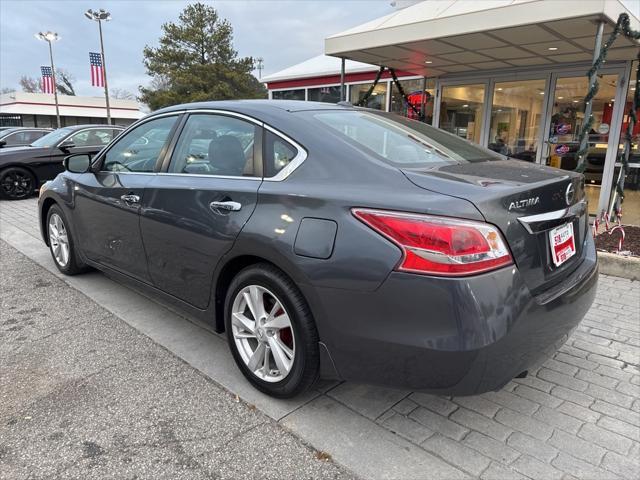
(271, 332)
(61, 243)
(16, 183)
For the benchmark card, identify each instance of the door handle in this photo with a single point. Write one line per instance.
(227, 206)
(130, 198)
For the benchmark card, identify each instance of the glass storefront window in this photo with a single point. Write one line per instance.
(631, 204)
(567, 118)
(413, 90)
(515, 118)
(288, 94)
(461, 110)
(377, 99)
(324, 94)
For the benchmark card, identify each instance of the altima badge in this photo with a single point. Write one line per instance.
(569, 194)
(528, 202)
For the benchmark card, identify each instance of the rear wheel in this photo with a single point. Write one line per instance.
(16, 183)
(271, 332)
(61, 243)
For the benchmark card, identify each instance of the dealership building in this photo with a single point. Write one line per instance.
(23, 109)
(509, 75)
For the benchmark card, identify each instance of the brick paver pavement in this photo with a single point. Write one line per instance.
(578, 416)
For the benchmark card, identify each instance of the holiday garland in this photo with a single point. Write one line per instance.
(622, 27)
(365, 98)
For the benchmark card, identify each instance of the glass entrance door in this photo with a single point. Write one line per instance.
(461, 110)
(516, 114)
(567, 118)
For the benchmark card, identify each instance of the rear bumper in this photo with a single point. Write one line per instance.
(457, 336)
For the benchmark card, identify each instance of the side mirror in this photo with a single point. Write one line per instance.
(77, 163)
(66, 145)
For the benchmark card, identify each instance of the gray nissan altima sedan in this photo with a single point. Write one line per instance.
(332, 241)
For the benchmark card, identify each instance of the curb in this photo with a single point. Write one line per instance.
(619, 266)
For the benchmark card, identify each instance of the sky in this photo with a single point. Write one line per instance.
(282, 32)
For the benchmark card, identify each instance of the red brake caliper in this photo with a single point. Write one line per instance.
(286, 335)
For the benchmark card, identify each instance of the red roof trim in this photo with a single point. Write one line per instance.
(329, 79)
(68, 105)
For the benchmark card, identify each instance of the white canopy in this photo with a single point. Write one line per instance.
(437, 37)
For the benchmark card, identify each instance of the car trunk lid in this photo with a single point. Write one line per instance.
(526, 201)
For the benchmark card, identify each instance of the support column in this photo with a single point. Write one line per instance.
(342, 85)
(423, 99)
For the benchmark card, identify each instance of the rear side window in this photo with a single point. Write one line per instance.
(278, 153)
(402, 143)
(212, 144)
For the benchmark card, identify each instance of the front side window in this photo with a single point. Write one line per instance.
(139, 149)
(17, 138)
(215, 145)
(278, 153)
(94, 137)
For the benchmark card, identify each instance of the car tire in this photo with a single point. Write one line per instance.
(291, 362)
(16, 183)
(61, 243)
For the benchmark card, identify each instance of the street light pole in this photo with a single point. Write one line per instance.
(98, 17)
(51, 37)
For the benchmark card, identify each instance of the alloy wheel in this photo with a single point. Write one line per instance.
(263, 333)
(16, 184)
(59, 240)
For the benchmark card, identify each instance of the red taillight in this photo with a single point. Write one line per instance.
(440, 245)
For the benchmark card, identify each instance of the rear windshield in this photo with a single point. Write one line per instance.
(402, 142)
(51, 139)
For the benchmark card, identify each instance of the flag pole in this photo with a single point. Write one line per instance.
(55, 85)
(51, 37)
(99, 16)
(104, 74)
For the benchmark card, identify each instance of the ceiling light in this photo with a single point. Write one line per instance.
(575, 101)
(466, 105)
(552, 49)
(499, 89)
(613, 99)
(560, 98)
(428, 61)
(541, 93)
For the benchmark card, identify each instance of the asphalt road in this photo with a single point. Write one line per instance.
(87, 396)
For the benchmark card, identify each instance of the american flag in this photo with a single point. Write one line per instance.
(47, 80)
(97, 73)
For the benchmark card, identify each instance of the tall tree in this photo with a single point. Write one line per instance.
(121, 94)
(29, 84)
(196, 61)
(64, 83)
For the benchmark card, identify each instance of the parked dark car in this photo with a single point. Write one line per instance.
(20, 136)
(24, 169)
(333, 241)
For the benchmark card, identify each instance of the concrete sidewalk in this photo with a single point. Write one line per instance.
(578, 416)
(84, 395)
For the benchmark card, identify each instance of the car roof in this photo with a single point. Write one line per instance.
(13, 129)
(89, 125)
(253, 106)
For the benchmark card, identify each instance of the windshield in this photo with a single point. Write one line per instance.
(401, 142)
(51, 139)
